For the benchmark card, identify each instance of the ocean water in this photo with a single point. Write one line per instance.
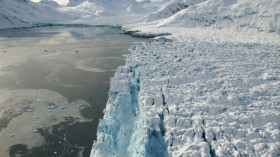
(54, 84)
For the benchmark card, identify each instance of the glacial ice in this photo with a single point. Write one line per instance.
(193, 99)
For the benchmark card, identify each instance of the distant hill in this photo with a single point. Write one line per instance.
(263, 15)
(24, 13)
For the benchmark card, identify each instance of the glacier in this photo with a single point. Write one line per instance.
(200, 88)
(193, 99)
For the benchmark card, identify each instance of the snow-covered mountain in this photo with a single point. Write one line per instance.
(168, 9)
(263, 15)
(24, 13)
(111, 7)
(109, 12)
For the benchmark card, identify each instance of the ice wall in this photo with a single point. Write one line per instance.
(193, 99)
(123, 130)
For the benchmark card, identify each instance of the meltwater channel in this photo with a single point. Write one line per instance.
(54, 84)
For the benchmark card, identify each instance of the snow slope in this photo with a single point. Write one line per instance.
(23, 13)
(170, 8)
(112, 6)
(262, 15)
(109, 12)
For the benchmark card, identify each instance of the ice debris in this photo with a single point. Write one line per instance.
(28, 109)
(53, 106)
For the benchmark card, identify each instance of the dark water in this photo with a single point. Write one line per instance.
(76, 62)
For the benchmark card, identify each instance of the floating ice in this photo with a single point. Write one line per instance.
(52, 106)
(28, 109)
(20, 109)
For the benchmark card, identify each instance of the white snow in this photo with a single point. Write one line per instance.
(263, 15)
(23, 13)
(209, 85)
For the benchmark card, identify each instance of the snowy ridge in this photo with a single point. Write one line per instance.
(167, 10)
(181, 99)
(170, 8)
(108, 12)
(110, 8)
(23, 13)
(262, 15)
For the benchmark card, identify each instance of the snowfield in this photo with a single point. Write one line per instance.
(207, 84)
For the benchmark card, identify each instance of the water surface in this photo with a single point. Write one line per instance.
(74, 66)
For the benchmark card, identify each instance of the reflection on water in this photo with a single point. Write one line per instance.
(75, 62)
